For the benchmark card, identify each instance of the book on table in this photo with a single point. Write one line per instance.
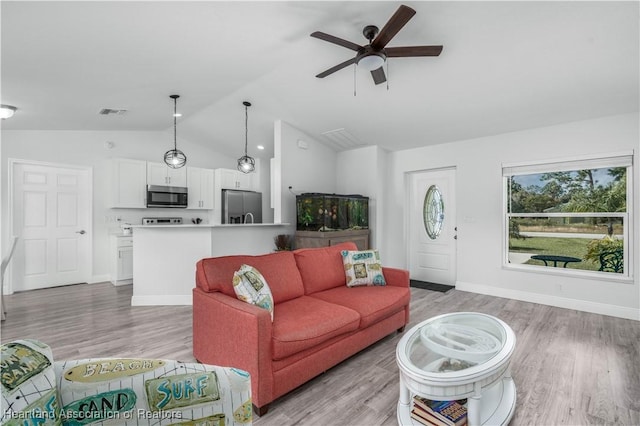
(425, 418)
(428, 419)
(441, 413)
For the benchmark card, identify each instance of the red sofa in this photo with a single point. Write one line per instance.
(318, 320)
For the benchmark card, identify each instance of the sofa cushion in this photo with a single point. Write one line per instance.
(278, 269)
(373, 303)
(322, 268)
(251, 287)
(362, 268)
(306, 321)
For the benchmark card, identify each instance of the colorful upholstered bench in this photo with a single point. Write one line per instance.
(36, 390)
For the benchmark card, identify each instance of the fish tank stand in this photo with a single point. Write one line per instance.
(312, 239)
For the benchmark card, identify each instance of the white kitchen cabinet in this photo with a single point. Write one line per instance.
(234, 179)
(200, 183)
(121, 259)
(161, 174)
(245, 180)
(128, 183)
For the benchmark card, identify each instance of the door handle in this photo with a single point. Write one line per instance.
(81, 232)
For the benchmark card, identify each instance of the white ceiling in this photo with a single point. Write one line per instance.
(505, 66)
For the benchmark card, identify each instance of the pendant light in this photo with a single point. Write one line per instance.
(175, 158)
(246, 164)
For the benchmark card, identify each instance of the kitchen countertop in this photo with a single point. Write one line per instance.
(208, 225)
(182, 247)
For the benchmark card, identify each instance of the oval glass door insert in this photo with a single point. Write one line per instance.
(433, 212)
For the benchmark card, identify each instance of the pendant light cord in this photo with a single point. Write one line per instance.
(246, 127)
(355, 68)
(387, 74)
(175, 118)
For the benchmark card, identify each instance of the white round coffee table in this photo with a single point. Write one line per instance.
(462, 355)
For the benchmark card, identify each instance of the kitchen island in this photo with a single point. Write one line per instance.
(165, 256)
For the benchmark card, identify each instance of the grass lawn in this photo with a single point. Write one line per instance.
(574, 247)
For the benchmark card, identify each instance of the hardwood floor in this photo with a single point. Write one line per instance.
(570, 367)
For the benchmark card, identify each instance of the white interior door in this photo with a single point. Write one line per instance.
(432, 226)
(51, 215)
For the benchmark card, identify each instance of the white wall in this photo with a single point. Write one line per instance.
(479, 211)
(304, 170)
(363, 171)
(87, 148)
(319, 168)
(263, 168)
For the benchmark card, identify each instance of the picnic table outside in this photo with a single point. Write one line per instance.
(555, 259)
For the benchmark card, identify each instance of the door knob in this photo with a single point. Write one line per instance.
(81, 232)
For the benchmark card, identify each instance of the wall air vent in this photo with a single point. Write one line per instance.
(341, 139)
(112, 111)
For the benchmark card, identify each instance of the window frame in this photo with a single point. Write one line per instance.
(624, 159)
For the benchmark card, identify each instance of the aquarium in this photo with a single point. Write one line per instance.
(331, 212)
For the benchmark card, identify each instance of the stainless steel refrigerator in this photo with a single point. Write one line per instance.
(241, 206)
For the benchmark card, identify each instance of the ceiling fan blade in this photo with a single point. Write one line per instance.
(378, 76)
(391, 28)
(336, 40)
(400, 52)
(336, 68)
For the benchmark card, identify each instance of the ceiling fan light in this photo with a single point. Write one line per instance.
(372, 61)
(7, 111)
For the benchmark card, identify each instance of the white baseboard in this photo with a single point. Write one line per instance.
(99, 278)
(162, 300)
(560, 302)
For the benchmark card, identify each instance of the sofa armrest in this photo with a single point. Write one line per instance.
(396, 277)
(230, 332)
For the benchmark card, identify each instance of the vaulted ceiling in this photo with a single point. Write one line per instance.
(506, 66)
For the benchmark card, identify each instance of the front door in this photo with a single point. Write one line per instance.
(432, 226)
(51, 216)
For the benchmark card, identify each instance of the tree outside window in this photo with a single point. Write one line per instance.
(578, 213)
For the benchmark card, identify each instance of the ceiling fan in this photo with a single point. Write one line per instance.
(373, 55)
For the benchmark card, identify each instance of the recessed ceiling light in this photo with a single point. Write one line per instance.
(260, 147)
(6, 111)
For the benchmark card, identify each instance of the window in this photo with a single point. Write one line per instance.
(433, 212)
(571, 215)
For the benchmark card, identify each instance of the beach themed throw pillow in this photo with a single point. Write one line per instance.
(251, 287)
(362, 268)
(28, 384)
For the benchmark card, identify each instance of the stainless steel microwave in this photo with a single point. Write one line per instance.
(166, 196)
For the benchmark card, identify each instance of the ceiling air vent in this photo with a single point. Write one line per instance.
(341, 139)
(112, 111)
